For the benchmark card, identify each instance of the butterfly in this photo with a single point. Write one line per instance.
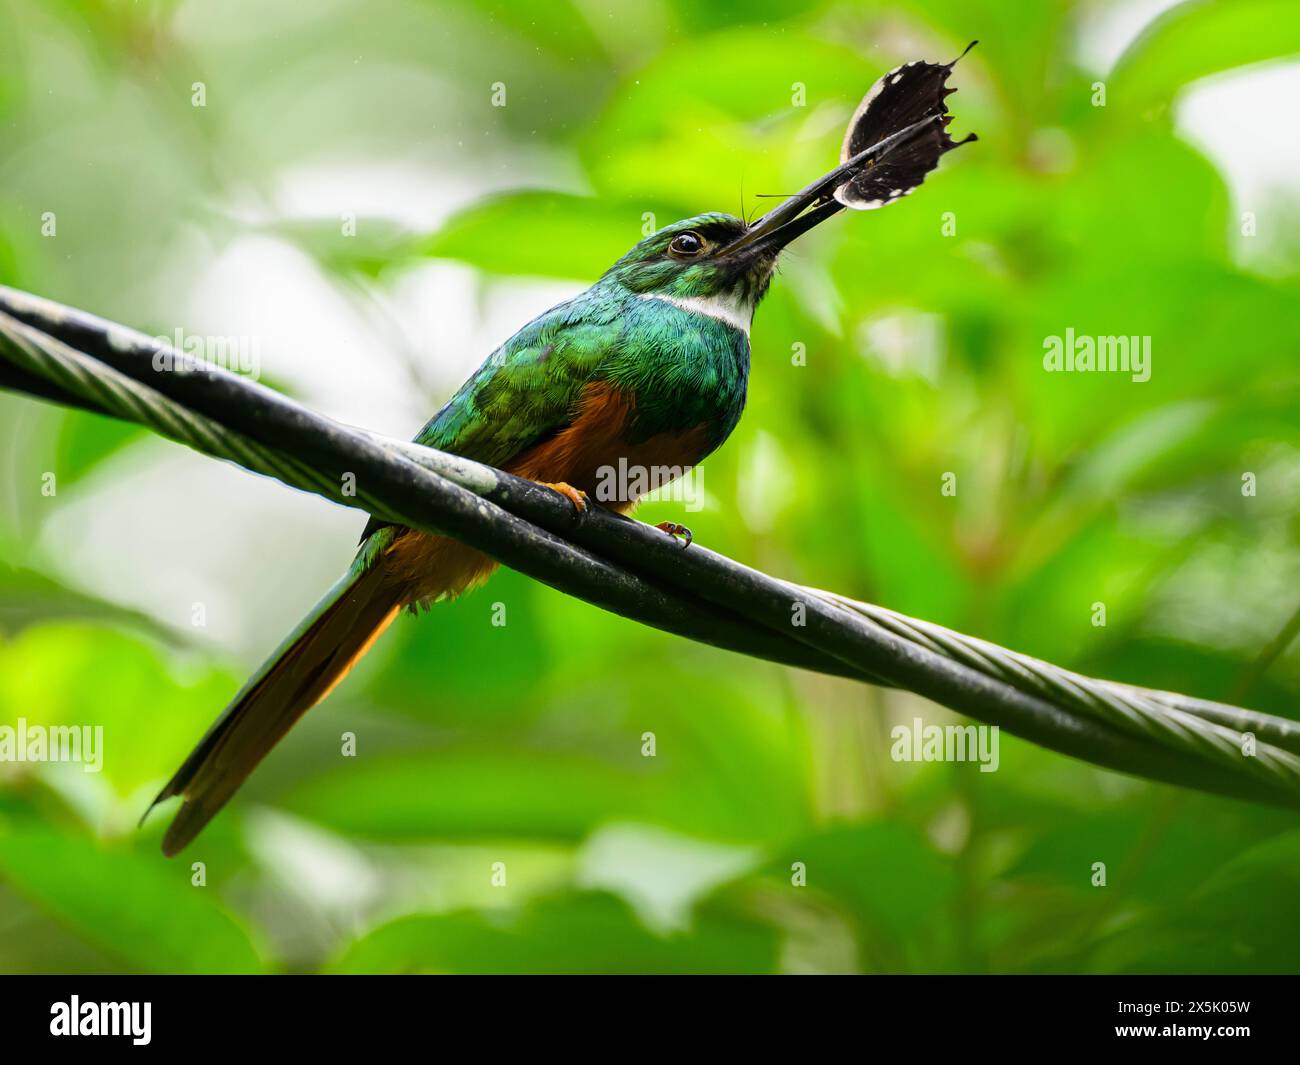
(906, 95)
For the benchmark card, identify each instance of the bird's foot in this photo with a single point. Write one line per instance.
(573, 495)
(673, 529)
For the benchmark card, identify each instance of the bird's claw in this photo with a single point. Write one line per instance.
(673, 529)
(573, 495)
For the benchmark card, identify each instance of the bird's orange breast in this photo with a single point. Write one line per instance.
(430, 567)
(597, 438)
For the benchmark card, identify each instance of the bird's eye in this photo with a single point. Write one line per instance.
(686, 244)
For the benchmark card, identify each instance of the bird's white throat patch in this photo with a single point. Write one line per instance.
(728, 308)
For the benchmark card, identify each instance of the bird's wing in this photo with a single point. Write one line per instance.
(525, 391)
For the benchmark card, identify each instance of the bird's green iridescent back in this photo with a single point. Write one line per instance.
(680, 368)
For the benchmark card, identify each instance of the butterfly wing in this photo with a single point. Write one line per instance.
(907, 94)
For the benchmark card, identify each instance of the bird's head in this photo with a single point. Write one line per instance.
(694, 258)
(719, 257)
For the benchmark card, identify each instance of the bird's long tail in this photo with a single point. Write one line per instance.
(301, 672)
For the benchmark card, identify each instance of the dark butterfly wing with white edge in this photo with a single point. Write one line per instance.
(907, 94)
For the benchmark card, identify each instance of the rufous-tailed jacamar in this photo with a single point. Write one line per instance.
(646, 369)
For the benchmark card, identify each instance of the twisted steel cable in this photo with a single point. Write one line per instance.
(57, 353)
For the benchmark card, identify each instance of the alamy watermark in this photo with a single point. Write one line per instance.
(1074, 353)
(919, 742)
(133, 1020)
(189, 351)
(53, 743)
(627, 482)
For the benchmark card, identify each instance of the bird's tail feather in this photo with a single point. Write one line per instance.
(301, 672)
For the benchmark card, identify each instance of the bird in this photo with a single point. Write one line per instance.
(647, 370)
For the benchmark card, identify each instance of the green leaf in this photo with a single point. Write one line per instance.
(726, 112)
(1196, 39)
(463, 793)
(579, 933)
(889, 880)
(28, 598)
(79, 674)
(86, 440)
(567, 236)
(137, 906)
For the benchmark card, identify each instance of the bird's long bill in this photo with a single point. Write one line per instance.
(814, 204)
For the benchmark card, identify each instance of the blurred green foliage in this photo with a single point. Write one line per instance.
(500, 814)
